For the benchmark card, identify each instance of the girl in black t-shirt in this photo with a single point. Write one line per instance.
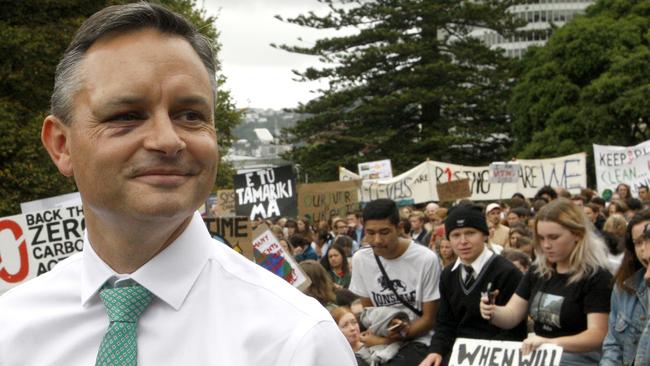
(566, 291)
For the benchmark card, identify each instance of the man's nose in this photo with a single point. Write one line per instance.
(162, 136)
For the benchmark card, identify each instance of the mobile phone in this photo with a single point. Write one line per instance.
(393, 327)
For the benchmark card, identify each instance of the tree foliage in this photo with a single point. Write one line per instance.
(589, 84)
(33, 36)
(409, 83)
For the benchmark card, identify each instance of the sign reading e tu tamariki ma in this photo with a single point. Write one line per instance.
(266, 193)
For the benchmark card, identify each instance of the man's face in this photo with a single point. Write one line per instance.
(467, 243)
(430, 211)
(142, 142)
(494, 216)
(341, 228)
(383, 237)
(640, 248)
(416, 223)
(352, 220)
(643, 194)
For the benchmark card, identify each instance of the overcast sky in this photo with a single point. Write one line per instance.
(259, 75)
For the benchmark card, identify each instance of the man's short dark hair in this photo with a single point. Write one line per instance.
(381, 209)
(598, 200)
(546, 190)
(634, 203)
(116, 20)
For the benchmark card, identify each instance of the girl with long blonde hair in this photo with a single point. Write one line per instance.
(567, 289)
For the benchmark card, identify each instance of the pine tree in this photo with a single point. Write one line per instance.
(411, 82)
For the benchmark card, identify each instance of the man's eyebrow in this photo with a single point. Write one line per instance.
(192, 99)
(124, 101)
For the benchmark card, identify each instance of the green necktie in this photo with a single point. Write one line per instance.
(124, 305)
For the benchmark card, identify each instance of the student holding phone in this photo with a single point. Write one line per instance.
(477, 272)
(566, 291)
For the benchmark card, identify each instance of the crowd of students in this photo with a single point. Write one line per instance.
(403, 284)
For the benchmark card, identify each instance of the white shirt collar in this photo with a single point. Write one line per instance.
(478, 263)
(169, 275)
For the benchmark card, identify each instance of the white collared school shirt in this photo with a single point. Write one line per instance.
(211, 306)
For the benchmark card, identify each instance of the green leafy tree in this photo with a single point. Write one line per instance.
(589, 84)
(410, 82)
(33, 36)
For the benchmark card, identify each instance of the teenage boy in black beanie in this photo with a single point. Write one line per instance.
(476, 270)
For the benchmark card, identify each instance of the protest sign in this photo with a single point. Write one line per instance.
(320, 201)
(380, 169)
(64, 200)
(501, 172)
(32, 243)
(224, 205)
(419, 184)
(267, 193)
(269, 254)
(482, 352)
(454, 190)
(236, 231)
(622, 164)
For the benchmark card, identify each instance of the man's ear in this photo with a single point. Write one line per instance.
(55, 138)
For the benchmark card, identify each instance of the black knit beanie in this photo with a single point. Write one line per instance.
(466, 216)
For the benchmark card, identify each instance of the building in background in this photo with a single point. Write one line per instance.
(541, 16)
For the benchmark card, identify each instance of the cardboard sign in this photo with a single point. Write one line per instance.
(236, 231)
(419, 184)
(454, 190)
(320, 201)
(482, 352)
(224, 205)
(33, 243)
(380, 169)
(622, 164)
(269, 254)
(501, 172)
(267, 193)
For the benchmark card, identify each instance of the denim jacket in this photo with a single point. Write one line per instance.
(628, 337)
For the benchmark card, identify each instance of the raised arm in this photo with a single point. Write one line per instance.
(507, 316)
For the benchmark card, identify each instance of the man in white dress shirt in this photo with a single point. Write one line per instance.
(132, 123)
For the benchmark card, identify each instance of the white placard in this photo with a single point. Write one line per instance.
(418, 185)
(372, 170)
(269, 254)
(501, 172)
(483, 352)
(622, 164)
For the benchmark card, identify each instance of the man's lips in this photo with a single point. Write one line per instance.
(162, 176)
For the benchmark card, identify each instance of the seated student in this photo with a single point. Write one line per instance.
(566, 291)
(628, 337)
(407, 281)
(322, 287)
(418, 232)
(349, 326)
(476, 270)
(335, 263)
(302, 248)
